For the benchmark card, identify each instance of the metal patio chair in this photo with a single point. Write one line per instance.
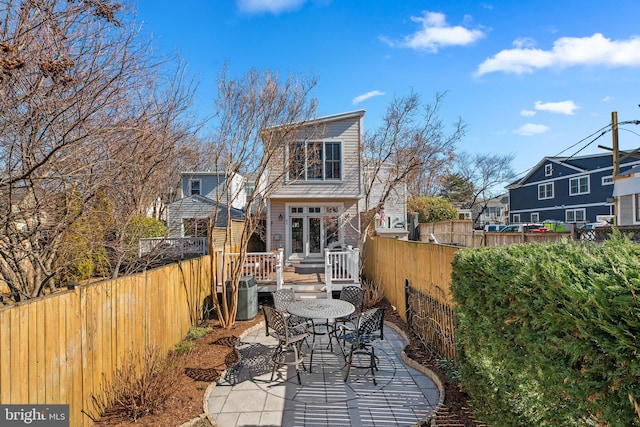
(354, 295)
(281, 300)
(289, 341)
(370, 328)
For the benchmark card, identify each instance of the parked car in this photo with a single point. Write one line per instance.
(526, 228)
(494, 227)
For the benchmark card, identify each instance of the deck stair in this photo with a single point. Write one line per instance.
(308, 282)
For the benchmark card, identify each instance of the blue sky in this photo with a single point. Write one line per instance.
(531, 78)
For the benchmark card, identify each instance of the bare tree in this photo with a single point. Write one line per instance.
(71, 74)
(487, 174)
(258, 116)
(412, 144)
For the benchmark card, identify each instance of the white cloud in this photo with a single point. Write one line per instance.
(563, 107)
(524, 43)
(527, 113)
(566, 52)
(270, 6)
(364, 97)
(608, 98)
(435, 33)
(531, 129)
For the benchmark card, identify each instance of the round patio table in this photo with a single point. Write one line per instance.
(320, 309)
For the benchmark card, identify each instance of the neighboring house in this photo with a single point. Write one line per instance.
(202, 195)
(626, 189)
(496, 211)
(314, 202)
(569, 189)
(391, 215)
(190, 216)
(213, 186)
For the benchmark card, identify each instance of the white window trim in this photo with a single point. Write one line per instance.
(307, 180)
(553, 190)
(580, 178)
(516, 218)
(607, 180)
(537, 215)
(548, 169)
(191, 181)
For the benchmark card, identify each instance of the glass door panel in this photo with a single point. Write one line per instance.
(297, 235)
(315, 236)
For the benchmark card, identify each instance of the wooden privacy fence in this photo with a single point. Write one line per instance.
(461, 233)
(66, 347)
(415, 278)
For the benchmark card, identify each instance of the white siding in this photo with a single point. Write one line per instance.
(347, 131)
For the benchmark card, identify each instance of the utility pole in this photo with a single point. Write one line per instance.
(616, 160)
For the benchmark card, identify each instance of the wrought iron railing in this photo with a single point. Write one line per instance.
(433, 321)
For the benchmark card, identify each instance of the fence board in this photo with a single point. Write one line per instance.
(5, 354)
(17, 353)
(426, 268)
(63, 347)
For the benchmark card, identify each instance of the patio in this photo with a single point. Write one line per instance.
(404, 396)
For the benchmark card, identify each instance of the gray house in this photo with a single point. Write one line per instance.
(626, 189)
(189, 216)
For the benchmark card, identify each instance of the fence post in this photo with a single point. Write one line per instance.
(279, 267)
(407, 306)
(327, 274)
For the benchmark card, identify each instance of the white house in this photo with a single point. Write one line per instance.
(626, 189)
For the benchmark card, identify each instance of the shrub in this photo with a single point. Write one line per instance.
(547, 333)
(373, 294)
(184, 347)
(196, 332)
(142, 386)
(431, 209)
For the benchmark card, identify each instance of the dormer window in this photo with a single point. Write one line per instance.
(548, 169)
(194, 187)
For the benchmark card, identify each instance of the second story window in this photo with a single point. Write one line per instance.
(194, 187)
(579, 186)
(545, 191)
(548, 169)
(316, 161)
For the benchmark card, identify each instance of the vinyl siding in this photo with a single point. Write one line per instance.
(348, 132)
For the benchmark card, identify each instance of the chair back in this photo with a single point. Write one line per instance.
(354, 295)
(282, 298)
(275, 321)
(370, 322)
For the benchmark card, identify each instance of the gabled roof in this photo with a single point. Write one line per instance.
(324, 119)
(572, 162)
(633, 170)
(209, 208)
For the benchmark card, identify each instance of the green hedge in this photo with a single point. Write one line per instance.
(549, 334)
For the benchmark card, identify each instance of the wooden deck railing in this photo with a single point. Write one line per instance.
(173, 246)
(341, 266)
(266, 267)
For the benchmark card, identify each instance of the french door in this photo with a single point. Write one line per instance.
(306, 236)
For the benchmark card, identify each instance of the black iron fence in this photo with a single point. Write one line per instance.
(432, 319)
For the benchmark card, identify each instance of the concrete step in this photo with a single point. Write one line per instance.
(311, 295)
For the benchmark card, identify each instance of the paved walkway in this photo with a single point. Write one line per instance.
(245, 396)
